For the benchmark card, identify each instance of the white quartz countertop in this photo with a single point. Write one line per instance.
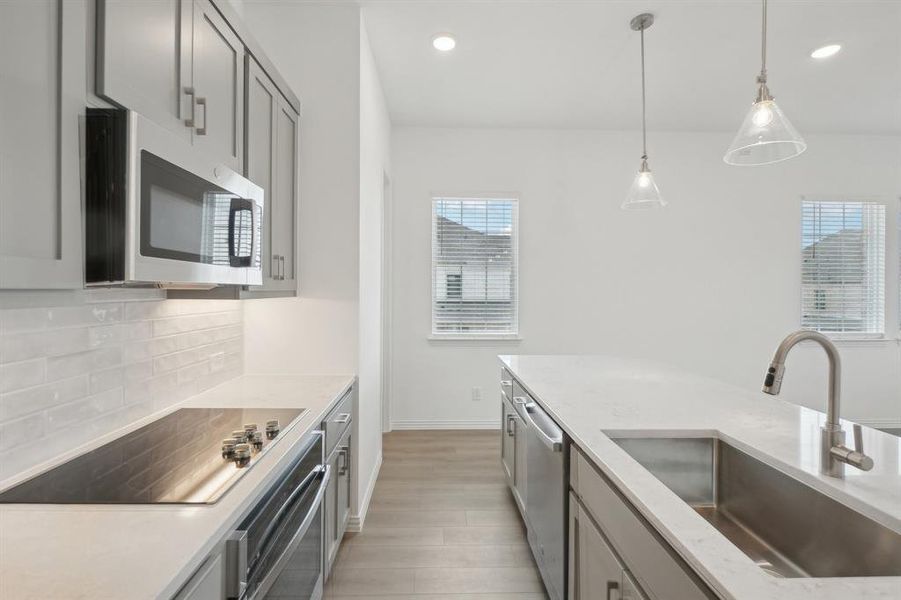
(590, 395)
(148, 551)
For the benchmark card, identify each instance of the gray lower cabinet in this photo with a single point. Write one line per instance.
(337, 498)
(614, 554)
(43, 100)
(208, 582)
(594, 570)
(338, 428)
(179, 64)
(513, 439)
(271, 163)
(508, 438)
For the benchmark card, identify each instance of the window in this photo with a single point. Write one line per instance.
(843, 267)
(474, 267)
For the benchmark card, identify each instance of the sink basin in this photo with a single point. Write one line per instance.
(788, 528)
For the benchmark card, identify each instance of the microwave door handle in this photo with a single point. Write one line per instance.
(235, 232)
(275, 570)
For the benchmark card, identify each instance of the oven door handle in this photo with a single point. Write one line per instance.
(296, 539)
(276, 522)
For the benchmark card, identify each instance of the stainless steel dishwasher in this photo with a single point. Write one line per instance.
(546, 450)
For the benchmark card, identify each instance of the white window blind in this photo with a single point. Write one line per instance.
(843, 267)
(474, 266)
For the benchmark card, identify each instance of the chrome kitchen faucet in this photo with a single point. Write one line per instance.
(834, 455)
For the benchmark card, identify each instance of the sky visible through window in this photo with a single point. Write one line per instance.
(494, 217)
(829, 220)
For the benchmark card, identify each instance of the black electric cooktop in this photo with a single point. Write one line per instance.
(186, 457)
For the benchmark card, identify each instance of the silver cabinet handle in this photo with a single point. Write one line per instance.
(282, 260)
(199, 101)
(612, 586)
(273, 267)
(344, 466)
(189, 121)
(520, 400)
(506, 383)
(510, 421)
(342, 418)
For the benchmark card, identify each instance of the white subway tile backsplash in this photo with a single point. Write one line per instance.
(41, 397)
(59, 367)
(15, 376)
(75, 365)
(16, 320)
(89, 314)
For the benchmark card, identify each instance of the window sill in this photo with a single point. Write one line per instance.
(874, 340)
(475, 337)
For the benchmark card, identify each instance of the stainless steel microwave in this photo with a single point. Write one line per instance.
(158, 212)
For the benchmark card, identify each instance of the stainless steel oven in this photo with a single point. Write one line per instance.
(158, 211)
(277, 550)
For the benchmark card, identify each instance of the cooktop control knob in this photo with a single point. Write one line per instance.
(249, 428)
(240, 435)
(228, 447)
(272, 428)
(242, 455)
(256, 440)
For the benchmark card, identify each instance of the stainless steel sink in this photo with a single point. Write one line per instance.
(788, 528)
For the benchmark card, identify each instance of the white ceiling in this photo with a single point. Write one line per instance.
(574, 64)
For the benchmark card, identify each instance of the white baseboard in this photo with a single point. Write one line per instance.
(355, 522)
(408, 425)
(881, 423)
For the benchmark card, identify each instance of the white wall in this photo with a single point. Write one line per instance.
(711, 283)
(334, 325)
(76, 365)
(375, 156)
(316, 49)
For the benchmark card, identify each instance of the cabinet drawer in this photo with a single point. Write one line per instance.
(337, 421)
(650, 560)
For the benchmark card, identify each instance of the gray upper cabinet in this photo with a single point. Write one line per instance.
(271, 163)
(144, 58)
(178, 63)
(42, 99)
(284, 225)
(218, 71)
(262, 106)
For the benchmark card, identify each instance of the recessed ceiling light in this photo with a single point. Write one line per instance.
(826, 51)
(444, 42)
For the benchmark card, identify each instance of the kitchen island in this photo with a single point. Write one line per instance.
(149, 551)
(599, 400)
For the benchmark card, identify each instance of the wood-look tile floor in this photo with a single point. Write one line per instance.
(442, 525)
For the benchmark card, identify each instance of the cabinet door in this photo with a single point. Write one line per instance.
(595, 573)
(330, 515)
(218, 78)
(208, 583)
(284, 225)
(508, 433)
(42, 95)
(144, 58)
(260, 151)
(343, 500)
(520, 474)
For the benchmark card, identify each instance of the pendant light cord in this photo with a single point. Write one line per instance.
(763, 46)
(644, 128)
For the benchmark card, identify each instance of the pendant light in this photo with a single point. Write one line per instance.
(766, 135)
(644, 193)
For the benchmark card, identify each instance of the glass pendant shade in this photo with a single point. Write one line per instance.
(644, 193)
(766, 136)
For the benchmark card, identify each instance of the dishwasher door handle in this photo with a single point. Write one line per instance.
(554, 442)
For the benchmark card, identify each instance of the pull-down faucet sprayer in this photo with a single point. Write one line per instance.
(834, 455)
